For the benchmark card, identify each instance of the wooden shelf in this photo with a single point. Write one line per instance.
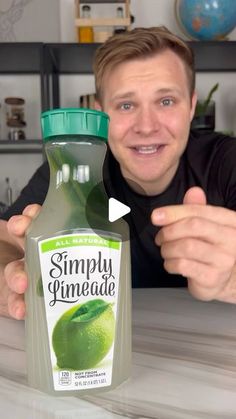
(103, 22)
(101, 1)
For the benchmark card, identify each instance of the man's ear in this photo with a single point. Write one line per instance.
(193, 104)
(97, 105)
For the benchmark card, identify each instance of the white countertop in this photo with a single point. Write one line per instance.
(184, 366)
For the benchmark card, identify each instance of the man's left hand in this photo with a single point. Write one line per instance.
(198, 241)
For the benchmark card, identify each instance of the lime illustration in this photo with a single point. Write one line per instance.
(83, 335)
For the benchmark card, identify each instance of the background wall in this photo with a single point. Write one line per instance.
(53, 21)
(29, 20)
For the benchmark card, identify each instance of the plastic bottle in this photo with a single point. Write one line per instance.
(8, 192)
(78, 320)
(85, 33)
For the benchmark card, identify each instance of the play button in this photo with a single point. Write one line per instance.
(116, 210)
(106, 211)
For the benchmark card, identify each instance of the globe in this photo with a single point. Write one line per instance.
(206, 20)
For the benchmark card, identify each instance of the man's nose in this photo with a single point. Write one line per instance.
(147, 121)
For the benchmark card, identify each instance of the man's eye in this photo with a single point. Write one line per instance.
(126, 106)
(167, 102)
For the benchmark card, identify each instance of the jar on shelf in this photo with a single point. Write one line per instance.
(15, 118)
(85, 33)
(119, 15)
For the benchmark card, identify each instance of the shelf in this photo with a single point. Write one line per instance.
(21, 57)
(214, 55)
(101, 1)
(20, 146)
(50, 60)
(105, 21)
(72, 58)
(82, 21)
(77, 58)
(69, 58)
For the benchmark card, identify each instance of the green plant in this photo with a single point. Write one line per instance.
(202, 105)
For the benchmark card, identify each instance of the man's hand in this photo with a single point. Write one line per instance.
(198, 241)
(13, 278)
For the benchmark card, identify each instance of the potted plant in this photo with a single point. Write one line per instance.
(204, 117)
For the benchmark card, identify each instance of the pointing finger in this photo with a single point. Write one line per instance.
(172, 213)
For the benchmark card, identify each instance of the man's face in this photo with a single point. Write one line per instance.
(150, 111)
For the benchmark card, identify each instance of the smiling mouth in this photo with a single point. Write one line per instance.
(150, 149)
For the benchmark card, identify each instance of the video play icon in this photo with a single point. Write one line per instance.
(103, 211)
(116, 209)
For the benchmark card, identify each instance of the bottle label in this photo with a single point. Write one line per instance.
(80, 276)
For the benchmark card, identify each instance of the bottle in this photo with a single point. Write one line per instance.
(78, 320)
(85, 33)
(8, 192)
(119, 15)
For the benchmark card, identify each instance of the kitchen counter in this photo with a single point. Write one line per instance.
(184, 366)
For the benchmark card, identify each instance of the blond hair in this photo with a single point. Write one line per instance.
(136, 44)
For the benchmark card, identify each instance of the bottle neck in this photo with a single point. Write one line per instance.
(76, 192)
(75, 166)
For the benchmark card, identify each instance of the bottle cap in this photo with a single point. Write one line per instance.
(74, 121)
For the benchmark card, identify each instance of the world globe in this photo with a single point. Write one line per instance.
(206, 20)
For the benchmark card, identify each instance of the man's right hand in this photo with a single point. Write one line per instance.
(13, 279)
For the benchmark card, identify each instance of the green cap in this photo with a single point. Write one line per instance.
(74, 121)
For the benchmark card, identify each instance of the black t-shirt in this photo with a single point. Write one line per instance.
(209, 161)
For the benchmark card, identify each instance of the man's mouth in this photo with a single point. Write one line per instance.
(149, 149)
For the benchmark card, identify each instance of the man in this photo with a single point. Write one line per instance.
(184, 183)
